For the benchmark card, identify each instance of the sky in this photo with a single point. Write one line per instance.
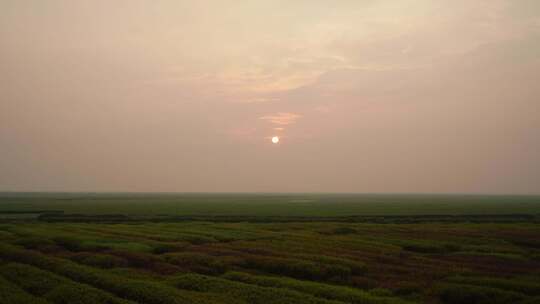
(185, 96)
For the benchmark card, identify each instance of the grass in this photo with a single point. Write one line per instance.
(12, 294)
(237, 204)
(261, 252)
(344, 294)
(243, 292)
(459, 294)
(54, 288)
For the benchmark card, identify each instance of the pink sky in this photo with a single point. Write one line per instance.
(366, 96)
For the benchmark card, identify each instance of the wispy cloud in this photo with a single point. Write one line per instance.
(282, 118)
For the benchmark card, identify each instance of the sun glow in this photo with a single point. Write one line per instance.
(275, 140)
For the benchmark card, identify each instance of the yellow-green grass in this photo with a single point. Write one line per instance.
(245, 262)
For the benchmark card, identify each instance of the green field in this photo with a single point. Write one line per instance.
(257, 248)
(237, 204)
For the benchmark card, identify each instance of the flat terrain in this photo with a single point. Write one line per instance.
(234, 248)
(235, 204)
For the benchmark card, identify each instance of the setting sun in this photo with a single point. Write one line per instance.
(407, 171)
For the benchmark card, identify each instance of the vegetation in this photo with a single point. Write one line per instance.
(115, 207)
(247, 258)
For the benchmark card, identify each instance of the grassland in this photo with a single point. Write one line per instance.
(238, 204)
(117, 248)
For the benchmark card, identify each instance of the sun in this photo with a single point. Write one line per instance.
(275, 140)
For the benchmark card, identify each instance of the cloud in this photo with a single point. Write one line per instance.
(282, 118)
(370, 83)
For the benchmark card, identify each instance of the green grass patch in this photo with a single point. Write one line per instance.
(54, 288)
(31, 279)
(196, 262)
(331, 292)
(12, 294)
(249, 293)
(297, 268)
(100, 260)
(429, 246)
(470, 294)
(136, 290)
(522, 285)
(34, 242)
(498, 255)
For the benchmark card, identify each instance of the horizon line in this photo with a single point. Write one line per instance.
(268, 193)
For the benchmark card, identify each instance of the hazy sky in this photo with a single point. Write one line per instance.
(366, 95)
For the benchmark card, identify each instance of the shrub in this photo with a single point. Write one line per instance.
(535, 257)
(363, 282)
(339, 231)
(34, 242)
(196, 262)
(5, 234)
(136, 290)
(31, 279)
(535, 300)
(297, 268)
(137, 259)
(11, 294)
(240, 291)
(344, 230)
(354, 267)
(198, 239)
(515, 284)
(381, 292)
(100, 260)
(430, 247)
(69, 243)
(75, 244)
(5, 227)
(81, 294)
(331, 292)
(531, 243)
(53, 287)
(408, 288)
(166, 247)
(459, 294)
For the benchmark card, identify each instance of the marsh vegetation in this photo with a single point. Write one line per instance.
(63, 257)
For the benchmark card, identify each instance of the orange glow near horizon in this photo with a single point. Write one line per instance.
(270, 96)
